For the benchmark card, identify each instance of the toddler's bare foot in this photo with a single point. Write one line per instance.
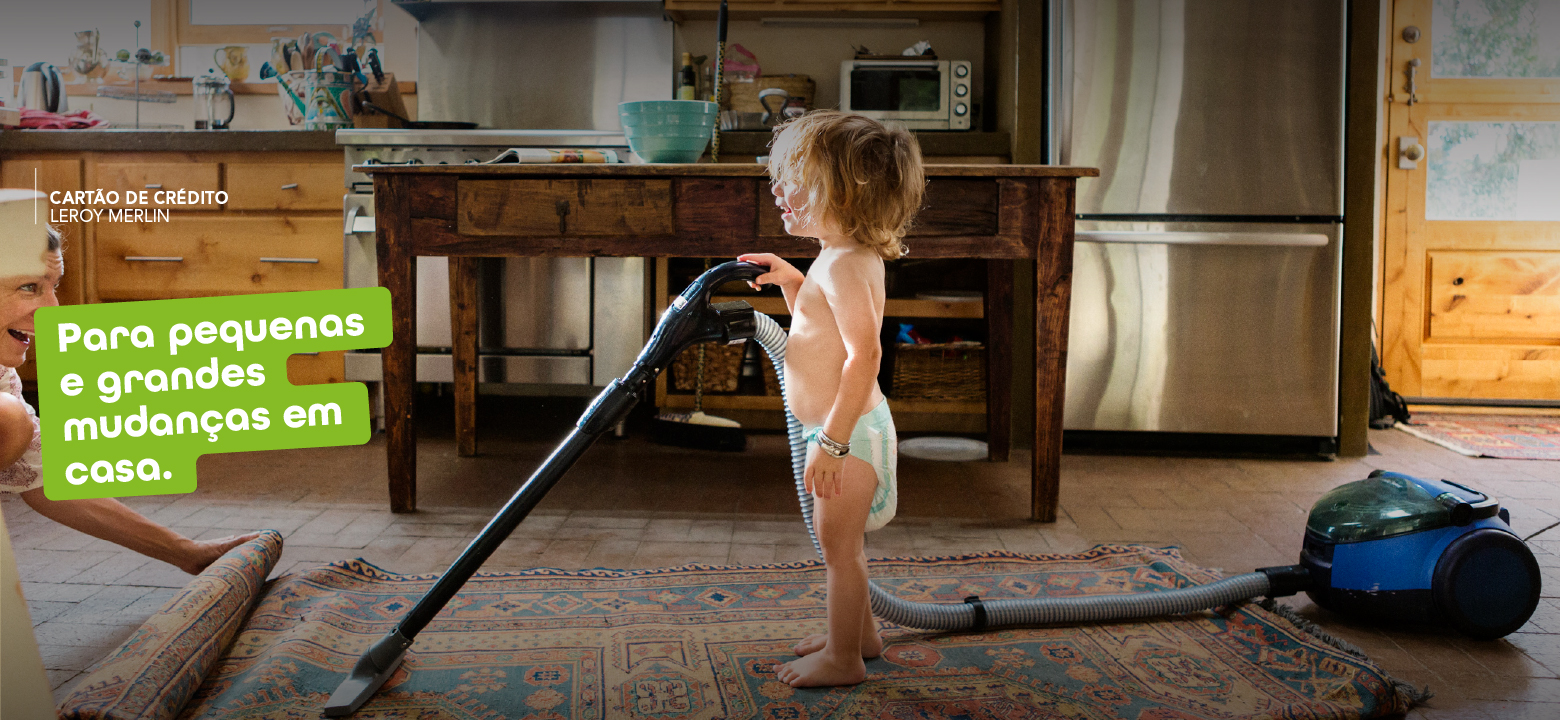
(821, 670)
(871, 647)
(206, 552)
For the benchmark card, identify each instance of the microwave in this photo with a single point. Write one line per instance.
(919, 94)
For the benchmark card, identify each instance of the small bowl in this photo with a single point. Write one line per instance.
(668, 131)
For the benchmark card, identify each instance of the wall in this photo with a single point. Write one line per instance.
(817, 52)
(46, 32)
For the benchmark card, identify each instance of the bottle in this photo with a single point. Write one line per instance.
(688, 84)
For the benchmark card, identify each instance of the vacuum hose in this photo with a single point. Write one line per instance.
(976, 614)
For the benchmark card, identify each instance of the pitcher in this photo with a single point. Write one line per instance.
(234, 62)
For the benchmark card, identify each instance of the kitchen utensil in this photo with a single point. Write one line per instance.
(419, 124)
(290, 84)
(209, 91)
(373, 65)
(772, 114)
(233, 60)
(279, 54)
(42, 88)
(668, 131)
(89, 58)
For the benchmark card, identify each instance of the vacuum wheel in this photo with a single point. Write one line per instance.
(1486, 584)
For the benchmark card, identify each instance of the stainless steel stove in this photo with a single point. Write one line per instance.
(551, 321)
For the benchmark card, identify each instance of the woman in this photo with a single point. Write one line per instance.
(30, 267)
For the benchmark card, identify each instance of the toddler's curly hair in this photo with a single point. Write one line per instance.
(863, 175)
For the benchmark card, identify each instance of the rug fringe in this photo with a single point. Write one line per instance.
(1406, 690)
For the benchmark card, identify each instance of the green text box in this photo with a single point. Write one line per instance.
(132, 394)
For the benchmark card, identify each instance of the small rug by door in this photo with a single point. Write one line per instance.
(1513, 437)
(703, 642)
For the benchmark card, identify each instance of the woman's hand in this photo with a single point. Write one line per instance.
(823, 474)
(780, 273)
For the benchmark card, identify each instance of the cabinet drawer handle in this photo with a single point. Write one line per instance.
(314, 261)
(290, 186)
(153, 258)
(154, 186)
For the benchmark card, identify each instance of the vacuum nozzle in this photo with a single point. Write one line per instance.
(370, 672)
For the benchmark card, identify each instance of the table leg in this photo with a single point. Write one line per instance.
(463, 327)
(999, 359)
(398, 273)
(1053, 302)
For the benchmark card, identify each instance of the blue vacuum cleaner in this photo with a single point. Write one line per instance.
(1387, 548)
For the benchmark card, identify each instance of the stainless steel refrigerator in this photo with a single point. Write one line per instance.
(1205, 287)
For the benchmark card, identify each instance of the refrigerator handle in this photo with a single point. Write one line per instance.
(1203, 238)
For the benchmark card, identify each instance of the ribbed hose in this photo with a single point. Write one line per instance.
(981, 614)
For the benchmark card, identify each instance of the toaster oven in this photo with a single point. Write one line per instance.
(920, 94)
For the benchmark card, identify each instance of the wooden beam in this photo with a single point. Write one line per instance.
(1363, 109)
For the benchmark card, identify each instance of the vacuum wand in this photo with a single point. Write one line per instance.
(691, 318)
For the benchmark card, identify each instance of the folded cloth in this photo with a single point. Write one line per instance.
(45, 120)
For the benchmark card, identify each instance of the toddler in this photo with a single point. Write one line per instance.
(855, 185)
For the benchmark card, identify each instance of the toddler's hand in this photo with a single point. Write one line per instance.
(780, 272)
(823, 474)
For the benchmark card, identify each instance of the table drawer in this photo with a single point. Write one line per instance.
(284, 186)
(203, 256)
(565, 208)
(952, 207)
(151, 177)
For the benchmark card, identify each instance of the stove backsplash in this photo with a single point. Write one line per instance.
(542, 65)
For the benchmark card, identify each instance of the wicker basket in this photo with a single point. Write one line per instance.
(771, 377)
(743, 96)
(951, 372)
(722, 367)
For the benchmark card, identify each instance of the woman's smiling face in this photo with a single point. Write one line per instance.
(20, 297)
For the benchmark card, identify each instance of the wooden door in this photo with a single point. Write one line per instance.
(1470, 294)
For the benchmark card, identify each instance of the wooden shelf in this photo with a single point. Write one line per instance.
(893, 307)
(744, 10)
(185, 87)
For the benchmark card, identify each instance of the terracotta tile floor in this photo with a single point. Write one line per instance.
(629, 503)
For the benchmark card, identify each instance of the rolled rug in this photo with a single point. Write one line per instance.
(156, 671)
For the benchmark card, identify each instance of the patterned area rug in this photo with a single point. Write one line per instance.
(1513, 437)
(703, 642)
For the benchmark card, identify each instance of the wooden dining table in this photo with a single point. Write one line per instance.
(1003, 214)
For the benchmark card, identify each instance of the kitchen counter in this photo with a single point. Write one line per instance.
(166, 140)
(732, 144)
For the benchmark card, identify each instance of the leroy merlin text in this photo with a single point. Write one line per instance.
(113, 387)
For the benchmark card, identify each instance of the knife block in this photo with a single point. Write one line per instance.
(384, 94)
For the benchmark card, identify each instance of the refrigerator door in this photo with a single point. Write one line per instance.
(1203, 107)
(1206, 328)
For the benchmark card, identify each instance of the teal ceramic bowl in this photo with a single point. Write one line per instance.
(668, 131)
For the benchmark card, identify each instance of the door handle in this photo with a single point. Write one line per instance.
(1202, 238)
(290, 186)
(1410, 152)
(153, 258)
(154, 186)
(289, 260)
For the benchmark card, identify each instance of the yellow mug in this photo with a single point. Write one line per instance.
(233, 60)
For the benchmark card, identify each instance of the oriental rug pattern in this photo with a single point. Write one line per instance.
(703, 642)
(1512, 437)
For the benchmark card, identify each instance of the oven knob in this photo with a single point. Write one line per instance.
(961, 70)
(961, 90)
(960, 110)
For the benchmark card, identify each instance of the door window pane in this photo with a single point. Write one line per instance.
(1495, 39)
(1493, 171)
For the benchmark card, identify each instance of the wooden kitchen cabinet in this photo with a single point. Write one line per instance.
(280, 230)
